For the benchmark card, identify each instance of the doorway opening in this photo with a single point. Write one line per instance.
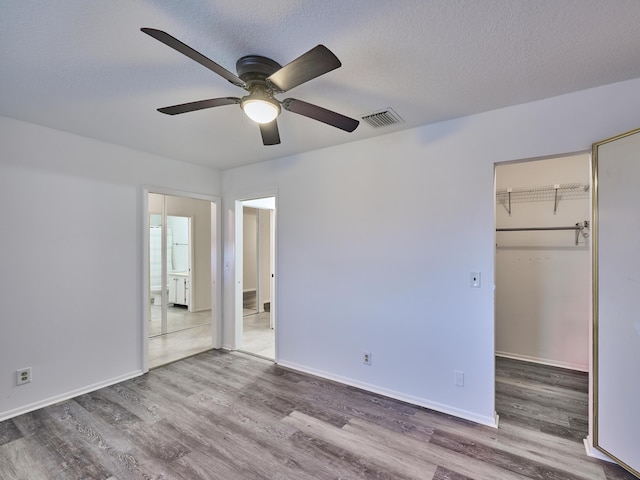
(180, 315)
(256, 268)
(543, 282)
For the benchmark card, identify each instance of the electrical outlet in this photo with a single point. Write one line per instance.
(23, 376)
(459, 378)
(474, 280)
(366, 358)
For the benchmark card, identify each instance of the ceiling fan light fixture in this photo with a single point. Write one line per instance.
(260, 109)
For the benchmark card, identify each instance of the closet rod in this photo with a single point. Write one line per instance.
(578, 227)
(575, 227)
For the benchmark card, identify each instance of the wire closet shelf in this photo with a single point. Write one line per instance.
(566, 191)
(555, 193)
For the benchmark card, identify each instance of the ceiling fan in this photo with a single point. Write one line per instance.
(263, 78)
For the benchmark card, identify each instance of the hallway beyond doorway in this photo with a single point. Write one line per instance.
(256, 247)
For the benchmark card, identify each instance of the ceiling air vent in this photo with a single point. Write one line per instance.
(383, 118)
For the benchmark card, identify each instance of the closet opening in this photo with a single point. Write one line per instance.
(543, 283)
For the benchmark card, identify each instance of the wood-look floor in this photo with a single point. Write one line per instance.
(229, 416)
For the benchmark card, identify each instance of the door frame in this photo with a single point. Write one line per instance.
(237, 210)
(216, 262)
(594, 447)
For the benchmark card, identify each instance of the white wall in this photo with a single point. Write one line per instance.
(543, 280)
(379, 236)
(71, 255)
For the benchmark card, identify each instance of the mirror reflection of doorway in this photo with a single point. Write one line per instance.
(180, 319)
(169, 312)
(250, 268)
(258, 247)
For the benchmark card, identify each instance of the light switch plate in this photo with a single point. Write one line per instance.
(474, 280)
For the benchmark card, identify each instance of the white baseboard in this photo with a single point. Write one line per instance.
(490, 421)
(67, 395)
(201, 309)
(595, 453)
(544, 361)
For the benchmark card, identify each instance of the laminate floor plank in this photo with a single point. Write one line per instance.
(229, 416)
(138, 406)
(341, 462)
(58, 452)
(105, 444)
(446, 474)
(374, 452)
(430, 453)
(235, 430)
(20, 461)
(504, 459)
(202, 465)
(320, 398)
(9, 432)
(99, 404)
(265, 432)
(554, 396)
(545, 398)
(558, 453)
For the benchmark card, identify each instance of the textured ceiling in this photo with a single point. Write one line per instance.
(85, 67)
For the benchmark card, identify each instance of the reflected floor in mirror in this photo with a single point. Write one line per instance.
(258, 337)
(178, 318)
(174, 346)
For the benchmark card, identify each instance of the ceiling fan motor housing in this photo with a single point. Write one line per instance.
(254, 69)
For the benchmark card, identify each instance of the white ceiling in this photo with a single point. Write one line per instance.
(85, 67)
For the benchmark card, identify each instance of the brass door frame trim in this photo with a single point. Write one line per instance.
(595, 304)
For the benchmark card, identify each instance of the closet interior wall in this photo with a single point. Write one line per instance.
(543, 278)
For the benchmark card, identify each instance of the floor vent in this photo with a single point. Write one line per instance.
(383, 118)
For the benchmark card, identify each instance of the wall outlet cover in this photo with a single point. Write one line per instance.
(23, 376)
(366, 358)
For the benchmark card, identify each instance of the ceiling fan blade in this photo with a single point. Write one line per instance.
(199, 105)
(321, 114)
(317, 61)
(270, 134)
(176, 44)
